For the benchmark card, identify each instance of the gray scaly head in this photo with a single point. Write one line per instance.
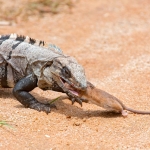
(68, 74)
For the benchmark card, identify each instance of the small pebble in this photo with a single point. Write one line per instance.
(47, 136)
(76, 123)
(68, 117)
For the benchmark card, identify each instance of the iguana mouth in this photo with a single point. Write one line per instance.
(66, 85)
(70, 87)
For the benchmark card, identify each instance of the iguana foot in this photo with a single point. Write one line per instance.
(75, 99)
(78, 100)
(41, 107)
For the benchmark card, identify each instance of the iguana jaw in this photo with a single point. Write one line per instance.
(66, 85)
(69, 86)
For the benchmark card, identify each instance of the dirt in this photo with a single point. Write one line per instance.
(111, 40)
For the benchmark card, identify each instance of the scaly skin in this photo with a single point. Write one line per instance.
(26, 63)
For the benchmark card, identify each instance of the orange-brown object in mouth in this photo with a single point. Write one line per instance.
(107, 101)
(103, 99)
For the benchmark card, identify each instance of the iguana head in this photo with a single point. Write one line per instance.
(67, 73)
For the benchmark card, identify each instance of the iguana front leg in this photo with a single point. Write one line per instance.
(21, 92)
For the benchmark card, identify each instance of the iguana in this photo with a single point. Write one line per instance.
(26, 63)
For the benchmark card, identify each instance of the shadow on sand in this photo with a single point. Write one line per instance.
(64, 108)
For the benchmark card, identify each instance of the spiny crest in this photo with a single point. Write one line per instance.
(22, 38)
(4, 37)
(55, 48)
(32, 41)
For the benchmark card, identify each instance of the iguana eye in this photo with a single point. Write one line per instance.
(66, 73)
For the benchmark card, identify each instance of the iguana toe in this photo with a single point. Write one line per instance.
(76, 99)
(41, 107)
(79, 100)
(73, 100)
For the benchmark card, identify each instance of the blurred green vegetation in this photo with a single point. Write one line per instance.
(24, 9)
(5, 123)
(53, 6)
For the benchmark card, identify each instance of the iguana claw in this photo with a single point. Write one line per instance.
(75, 99)
(42, 107)
(78, 100)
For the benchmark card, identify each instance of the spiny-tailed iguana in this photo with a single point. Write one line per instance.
(26, 63)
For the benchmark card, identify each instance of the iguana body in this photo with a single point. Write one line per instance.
(26, 64)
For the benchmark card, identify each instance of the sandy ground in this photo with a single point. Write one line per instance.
(111, 39)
